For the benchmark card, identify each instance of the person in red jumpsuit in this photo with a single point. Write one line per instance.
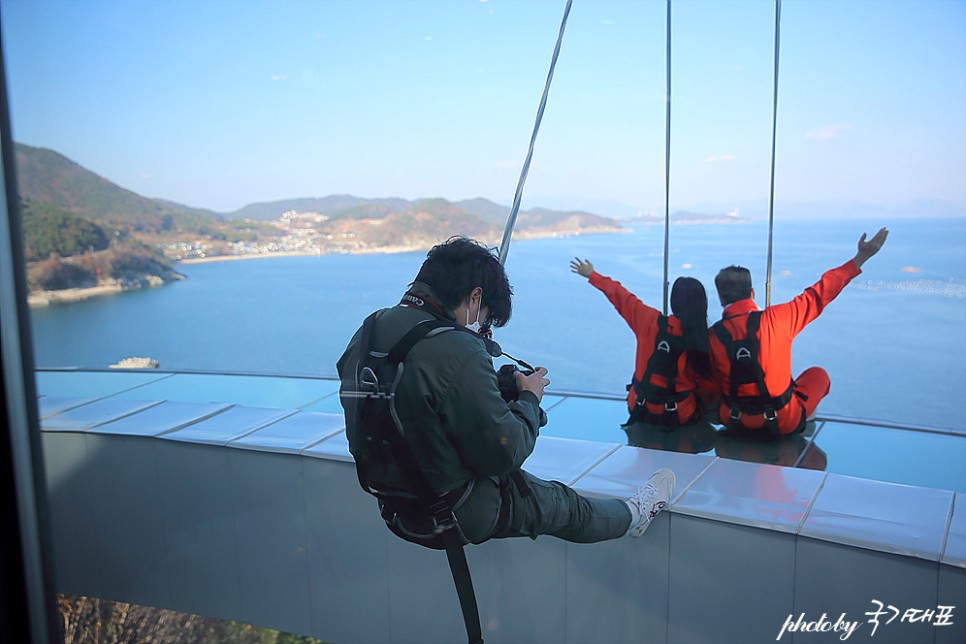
(788, 403)
(693, 385)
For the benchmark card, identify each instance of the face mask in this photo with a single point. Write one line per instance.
(475, 326)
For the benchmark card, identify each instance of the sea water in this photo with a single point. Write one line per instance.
(894, 342)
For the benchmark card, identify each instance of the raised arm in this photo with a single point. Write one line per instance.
(634, 312)
(869, 248)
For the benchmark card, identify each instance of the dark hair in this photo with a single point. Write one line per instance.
(689, 304)
(733, 284)
(457, 266)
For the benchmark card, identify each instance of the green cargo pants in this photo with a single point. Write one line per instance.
(549, 508)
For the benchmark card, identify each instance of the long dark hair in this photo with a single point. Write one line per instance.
(689, 304)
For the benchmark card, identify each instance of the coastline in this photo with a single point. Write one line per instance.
(388, 250)
(234, 258)
(39, 299)
(46, 298)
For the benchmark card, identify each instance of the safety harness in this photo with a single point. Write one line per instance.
(418, 515)
(664, 362)
(746, 369)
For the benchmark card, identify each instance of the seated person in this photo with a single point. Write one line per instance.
(467, 441)
(672, 383)
(751, 350)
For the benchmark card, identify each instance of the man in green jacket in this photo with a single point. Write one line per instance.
(468, 441)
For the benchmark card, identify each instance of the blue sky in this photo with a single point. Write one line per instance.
(219, 104)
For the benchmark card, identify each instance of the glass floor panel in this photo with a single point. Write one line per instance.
(586, 418)
(330, 404)
(251, 391)
(895, 455)
(863, 450)
(91, 384)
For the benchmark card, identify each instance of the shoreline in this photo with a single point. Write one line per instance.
(42, 299)
(47, 298)
(385, 250)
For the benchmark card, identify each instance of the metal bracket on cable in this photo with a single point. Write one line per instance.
(518, 195)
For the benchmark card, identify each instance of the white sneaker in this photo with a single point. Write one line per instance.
(649, 500)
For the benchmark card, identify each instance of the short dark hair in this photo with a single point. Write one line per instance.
(457, 266)
(733, 284)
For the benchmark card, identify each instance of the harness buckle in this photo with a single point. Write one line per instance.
(770, 414)
(443, 517)
(735, 414)
(671, 406)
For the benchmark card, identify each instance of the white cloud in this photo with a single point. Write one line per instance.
(277, 77)
(826, 133)
(722, 158)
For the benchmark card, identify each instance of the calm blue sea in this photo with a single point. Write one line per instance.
(894, 342)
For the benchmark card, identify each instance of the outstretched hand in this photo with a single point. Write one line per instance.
(582, 267)
(869, 248)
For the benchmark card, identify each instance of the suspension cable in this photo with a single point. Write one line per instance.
(667, 152)
(774, 125)
(518, 195)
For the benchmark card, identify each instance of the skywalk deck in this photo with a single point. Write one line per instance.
(234, 496)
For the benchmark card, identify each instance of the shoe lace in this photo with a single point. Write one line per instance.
(641, 499)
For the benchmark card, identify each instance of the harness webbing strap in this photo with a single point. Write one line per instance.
(745, 369)
(664, 362)
(774, 128)
(667, 151)
(464, 586)
(518, 194)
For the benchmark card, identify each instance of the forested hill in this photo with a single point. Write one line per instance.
(47, 178)
(468, 217)
(67, 208)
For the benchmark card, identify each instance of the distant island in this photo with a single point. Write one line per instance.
(84, 235)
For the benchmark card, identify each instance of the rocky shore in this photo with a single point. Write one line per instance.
(37, 299)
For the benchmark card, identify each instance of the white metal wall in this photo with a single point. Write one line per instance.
(271, 528)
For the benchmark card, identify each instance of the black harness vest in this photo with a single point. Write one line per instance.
(746, 369)
(664, 362)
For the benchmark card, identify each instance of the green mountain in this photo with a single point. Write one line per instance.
(68, 195)
(45, 177)
(490, 216)
(342, 205)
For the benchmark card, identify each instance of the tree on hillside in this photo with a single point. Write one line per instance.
(53, 275)
(48, 230)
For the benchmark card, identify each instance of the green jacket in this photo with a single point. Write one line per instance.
(458, 425)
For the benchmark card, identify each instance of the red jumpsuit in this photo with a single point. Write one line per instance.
(779, 326)
(643, 321)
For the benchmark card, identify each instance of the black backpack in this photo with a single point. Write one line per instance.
(376, 434)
